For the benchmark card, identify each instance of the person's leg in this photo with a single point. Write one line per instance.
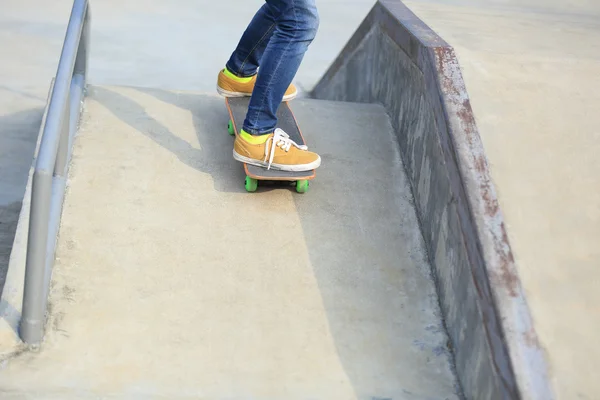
(238, 77)
(259, 140)
(296, 26)
(245, 59)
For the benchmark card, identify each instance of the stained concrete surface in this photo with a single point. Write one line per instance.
(532, 69)
(172, 281)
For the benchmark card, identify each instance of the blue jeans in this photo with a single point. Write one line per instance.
(276, 40)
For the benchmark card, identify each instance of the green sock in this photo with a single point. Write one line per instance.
(236, 78)
(253, 139)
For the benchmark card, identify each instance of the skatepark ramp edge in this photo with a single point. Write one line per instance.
(396, 60)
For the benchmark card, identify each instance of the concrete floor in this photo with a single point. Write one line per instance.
(532, 69)
(149, 44)
(172, 281)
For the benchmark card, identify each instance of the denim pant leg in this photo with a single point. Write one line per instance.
(245, 59)
(296, 24)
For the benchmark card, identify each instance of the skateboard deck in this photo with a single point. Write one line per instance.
(237, 107)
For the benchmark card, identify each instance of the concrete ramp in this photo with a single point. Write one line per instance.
(171, 281)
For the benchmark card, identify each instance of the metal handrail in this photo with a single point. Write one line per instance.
(49, 177)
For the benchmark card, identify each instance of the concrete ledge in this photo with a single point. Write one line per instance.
(11, 302)
(396, 60)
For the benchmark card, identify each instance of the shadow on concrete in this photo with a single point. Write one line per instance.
(18, 134)
(360, 231)
(368, 257)
(210, 122)
(9, 217)
(12, 316)
(22, 93)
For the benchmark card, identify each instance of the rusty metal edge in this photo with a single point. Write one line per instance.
(514, 318)
(526, 357)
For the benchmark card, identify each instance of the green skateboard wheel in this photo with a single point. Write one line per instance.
(251, 184)
(302, 186)
(230, 128)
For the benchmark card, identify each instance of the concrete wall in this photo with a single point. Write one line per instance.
(396, 60)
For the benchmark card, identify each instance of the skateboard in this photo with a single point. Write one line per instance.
(237, 107)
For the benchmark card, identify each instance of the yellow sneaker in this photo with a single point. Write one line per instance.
(277, 151)
(228, 85)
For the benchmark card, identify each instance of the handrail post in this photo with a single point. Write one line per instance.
(47, 189)
(81, 61)
(61, 156)
(32, 321)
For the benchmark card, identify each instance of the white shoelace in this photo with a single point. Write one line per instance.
(282, 140)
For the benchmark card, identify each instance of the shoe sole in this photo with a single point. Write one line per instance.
(227, 93)
(281, 167)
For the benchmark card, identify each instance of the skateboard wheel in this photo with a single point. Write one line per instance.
(230, 128)
(302, 186)
(251, 184)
